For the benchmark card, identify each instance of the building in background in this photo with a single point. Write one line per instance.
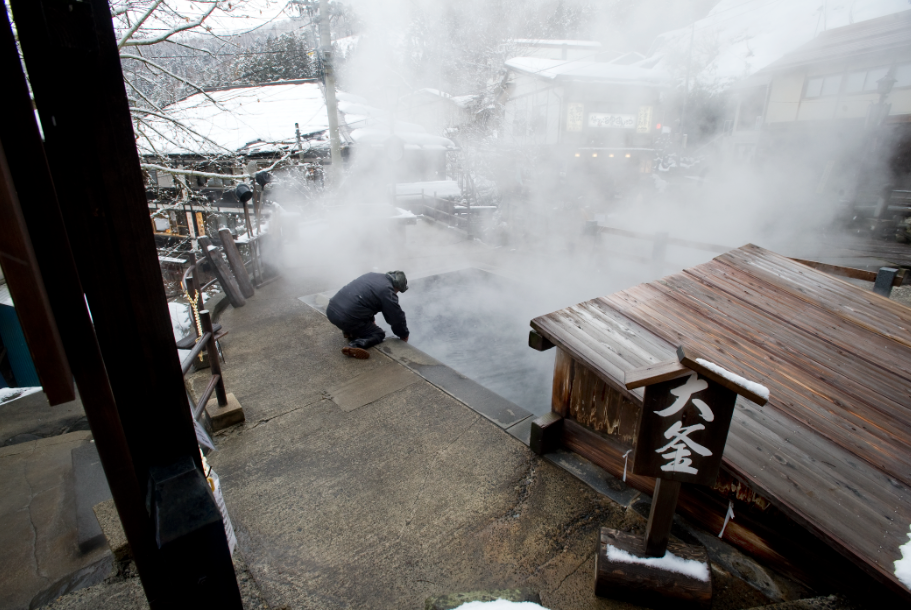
(840, 106)
(597, 118)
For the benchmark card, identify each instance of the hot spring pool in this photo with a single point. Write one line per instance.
(476, 323)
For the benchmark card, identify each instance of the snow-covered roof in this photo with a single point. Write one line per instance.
(556, 69)
(462, 101)
(345, 45)
(739, 37)
(261, 118)
(883, 35)
(228, 120)
(546, 42)
(414, 140)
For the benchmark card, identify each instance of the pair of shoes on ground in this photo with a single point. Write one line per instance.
(356, 352)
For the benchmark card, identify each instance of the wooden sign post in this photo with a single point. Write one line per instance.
(680, 438)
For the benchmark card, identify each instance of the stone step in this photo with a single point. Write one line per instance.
(91, 487)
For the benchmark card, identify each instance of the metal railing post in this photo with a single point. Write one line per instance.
(206, 320)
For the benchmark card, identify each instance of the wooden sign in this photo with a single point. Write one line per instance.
(685, 419)
(683, 429)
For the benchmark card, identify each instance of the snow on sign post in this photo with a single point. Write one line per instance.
(679, 438)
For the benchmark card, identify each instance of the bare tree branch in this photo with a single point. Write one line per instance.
(165, 117)
(138, 24)
(162, 37)
(161, 68)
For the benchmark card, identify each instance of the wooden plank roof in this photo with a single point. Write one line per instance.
(832, 448)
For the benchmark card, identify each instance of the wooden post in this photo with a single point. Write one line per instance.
(26, 284)
(137, 406)
(257, 203)
(649, 585)
(885, 279)
(661, 517)
(222, 272)
(236, 263)
(212, 350)
(545, 433)
(680, 437)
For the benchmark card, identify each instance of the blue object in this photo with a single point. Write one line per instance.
(17, 351)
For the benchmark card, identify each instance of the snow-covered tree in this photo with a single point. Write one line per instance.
(287, 56)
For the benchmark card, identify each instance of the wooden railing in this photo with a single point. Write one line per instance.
(205, 340)
(660, 242)
(884, 279)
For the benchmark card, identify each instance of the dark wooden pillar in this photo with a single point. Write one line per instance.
(132, 383)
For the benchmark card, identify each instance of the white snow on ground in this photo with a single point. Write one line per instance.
(500, 604)
(739, 37)
(9, 394)
(670, 562)
(903, 565)
(751, 386)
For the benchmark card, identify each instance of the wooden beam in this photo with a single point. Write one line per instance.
(222, 272)
(69, 47)
(654, 373)
(236, 263)
(26, 285)
(688, 358)
(538, 341)
(42, 215)
(850, 272)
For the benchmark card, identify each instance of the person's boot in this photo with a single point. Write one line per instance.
(356, 349)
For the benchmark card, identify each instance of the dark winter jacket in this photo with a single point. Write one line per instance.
(368, 295)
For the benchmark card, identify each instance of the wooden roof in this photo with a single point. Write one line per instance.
(832, 448)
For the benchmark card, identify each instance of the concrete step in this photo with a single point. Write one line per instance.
(91, 487)
(41, 558)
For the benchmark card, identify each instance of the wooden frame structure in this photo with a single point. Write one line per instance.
(820, 475)
(123, 357)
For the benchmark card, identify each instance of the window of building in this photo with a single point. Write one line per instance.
(831, 85)
(824, 85)
(855, 82)
(814, 87)
(873, 76)
(903, 76)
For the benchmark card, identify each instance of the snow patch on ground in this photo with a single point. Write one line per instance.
(903, 565)
(500, 604)
(10, 394)
(751, 386)
(670, 562)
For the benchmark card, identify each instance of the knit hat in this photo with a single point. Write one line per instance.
(399, 281)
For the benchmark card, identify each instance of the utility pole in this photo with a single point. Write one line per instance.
(325, 43)
(686, 93)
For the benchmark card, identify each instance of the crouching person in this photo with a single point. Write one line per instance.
(354, 307)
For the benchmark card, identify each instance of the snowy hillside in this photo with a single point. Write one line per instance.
(739, 37)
